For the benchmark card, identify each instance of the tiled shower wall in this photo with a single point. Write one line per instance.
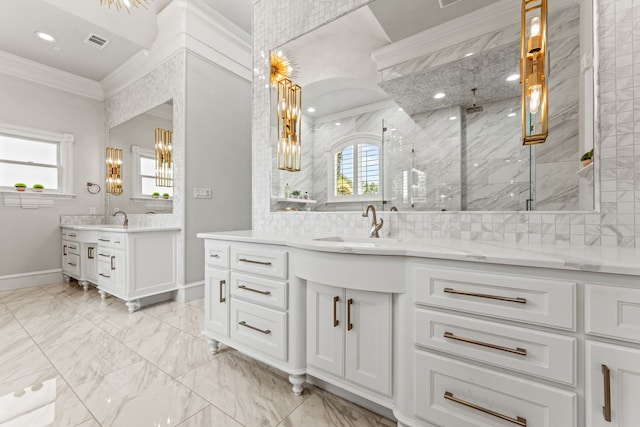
(617, 144)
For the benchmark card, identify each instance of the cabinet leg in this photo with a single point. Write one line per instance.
(66, 278)
(214, 346)
(133, 305)
(298, 382)
(85, 285)
(103, 294)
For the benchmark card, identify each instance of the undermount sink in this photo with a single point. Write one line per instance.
(356, 241)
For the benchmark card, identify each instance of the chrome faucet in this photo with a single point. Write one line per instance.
(375, 226)
(125, 224)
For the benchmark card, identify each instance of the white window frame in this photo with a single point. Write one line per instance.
(136, 177)
(65, 143)
(353, 139)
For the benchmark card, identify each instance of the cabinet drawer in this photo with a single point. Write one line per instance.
(106, 276)
(71, 235)
(537, 353)
(216, 253)
(520, 298)
(261, 328)
(612, 311)
(259, 260)
(112, 240)
(72, 264)
(70, 247)
(456, 394)
(259, 290)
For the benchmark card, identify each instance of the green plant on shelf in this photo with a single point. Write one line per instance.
(165, 195)
(20, 186)
(155, 195)
(588, 155)
(38, 188)
(295, 194)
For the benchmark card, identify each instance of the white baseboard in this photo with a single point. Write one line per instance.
(190, 291)
(30, 279)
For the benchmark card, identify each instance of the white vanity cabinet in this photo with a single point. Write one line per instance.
(79, 256)
(349, 335)
(250, 306)
(136, 264)
(612, 370)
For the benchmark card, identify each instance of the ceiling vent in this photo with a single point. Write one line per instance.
(445, 3)
(96, 41)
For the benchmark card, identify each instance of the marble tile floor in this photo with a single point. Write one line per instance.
(67, 358)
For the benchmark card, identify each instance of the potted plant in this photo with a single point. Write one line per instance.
(155, 195)
(20, 186)
(165, 195)
(295, 194)
(587, 158)
(39, 188)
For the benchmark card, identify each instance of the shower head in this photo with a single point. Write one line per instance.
(475, 108)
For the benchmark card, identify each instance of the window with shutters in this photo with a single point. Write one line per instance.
(355, 169)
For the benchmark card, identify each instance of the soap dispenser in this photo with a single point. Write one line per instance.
(287, 192)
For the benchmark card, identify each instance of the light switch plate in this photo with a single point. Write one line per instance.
(201, 193)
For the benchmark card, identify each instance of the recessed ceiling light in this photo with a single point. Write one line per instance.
(513, 77)
(469, 54)
(45, 36)
(311, 110)
(439, 95)
(400, 109)
(511, 115)
(338, 123)
(452, 118)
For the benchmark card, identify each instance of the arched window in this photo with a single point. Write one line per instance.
(355, 168)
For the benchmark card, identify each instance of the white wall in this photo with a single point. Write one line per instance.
(217, 155)
(31, 237)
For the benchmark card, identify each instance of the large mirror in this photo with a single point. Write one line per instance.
(417, 106)
(136, 138)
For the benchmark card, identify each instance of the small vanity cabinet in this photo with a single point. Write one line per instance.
(136, 264)
(249, 305)
(79, 256)
(612, 369)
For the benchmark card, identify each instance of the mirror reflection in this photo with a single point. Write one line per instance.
(395, 115)
(137, 139)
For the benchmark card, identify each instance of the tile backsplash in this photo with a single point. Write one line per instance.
(617, 144)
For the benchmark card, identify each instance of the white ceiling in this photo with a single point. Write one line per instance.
(70, 21)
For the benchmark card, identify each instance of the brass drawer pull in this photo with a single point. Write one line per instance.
(254, 290)
(72, 235)
(64, 250)
(104, 275)
(336, 322)
(104, 240)
(519, 420)
(255, 262)
(349, 304)
(222, 298)
(496, 297)
(113, 262)
(519, 351)
(90, 252)
(214, 256)
(72, 264)
(246, 325)
(606, 409)
(73, 247)
(104, 255)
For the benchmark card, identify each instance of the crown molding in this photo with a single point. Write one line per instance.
(491, 18)
(209, 34)
(36, 72)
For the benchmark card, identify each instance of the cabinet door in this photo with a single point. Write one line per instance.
(89, 266)
(216, 299)
(368, 340)
(612, 385)
(325, 326)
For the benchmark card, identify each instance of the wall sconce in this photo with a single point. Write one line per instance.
(533, 72)
(289, 125)
(114, 171)
(164, 170)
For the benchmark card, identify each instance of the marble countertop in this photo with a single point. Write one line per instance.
(580, 258)
(117, 228)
